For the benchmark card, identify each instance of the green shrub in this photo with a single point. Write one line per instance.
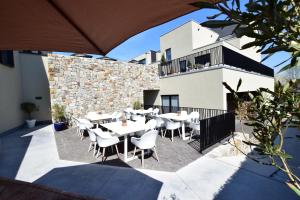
(58, 113)
(29, 108)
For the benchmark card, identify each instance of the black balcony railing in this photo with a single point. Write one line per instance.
(219, 56)
(215, 124)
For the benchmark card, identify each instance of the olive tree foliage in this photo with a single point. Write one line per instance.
(270, 114)
(273, 24)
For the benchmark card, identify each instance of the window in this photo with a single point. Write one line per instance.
(168, 54)
(7, 58)
(203, 59)
(170, 103)
(143, 61)
(182, 64)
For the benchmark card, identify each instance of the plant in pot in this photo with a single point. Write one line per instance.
(29, 108)
(136, 105)
(59, 117)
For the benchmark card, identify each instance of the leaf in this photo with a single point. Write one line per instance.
(239, 84)
(217, 23)
(228, 87)
(202, 5)
(215, 16)
(296, 190)
(285, 68)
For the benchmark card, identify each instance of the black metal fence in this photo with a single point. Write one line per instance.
(219, 56)
(215, 129)
(215, 124)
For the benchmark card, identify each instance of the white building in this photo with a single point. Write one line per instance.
(148, 57)
(198, 60)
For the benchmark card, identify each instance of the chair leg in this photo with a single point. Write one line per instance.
(172, 135)
(116, 146)
(191, 134)
(142, 158)
(179, 132)
(103, 154)
(134, 151)
(98, 153)
(156, 154)
(95, 147)
(90, 147)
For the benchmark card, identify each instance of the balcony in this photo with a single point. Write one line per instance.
(219, 56)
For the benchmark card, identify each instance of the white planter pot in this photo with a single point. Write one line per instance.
(31, 123)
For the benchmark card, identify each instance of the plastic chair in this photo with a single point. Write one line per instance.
(147, 141)
(82, 125)
(105, 139)
(170, 125)
(160, 123)
(93, 138)
(155, 112)
(150, 125)
(195, 127)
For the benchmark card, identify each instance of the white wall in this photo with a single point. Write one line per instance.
(11, 114)
(237, 43)
(202, 36)
(179, 40)
(205, 89)
(146, 55)
(250, 82)
(35, 83)
(200, 89)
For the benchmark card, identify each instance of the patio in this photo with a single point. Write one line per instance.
(31, 155)
(172, 155)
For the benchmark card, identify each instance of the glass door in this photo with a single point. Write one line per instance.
(170, 103)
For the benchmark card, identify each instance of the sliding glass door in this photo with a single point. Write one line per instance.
(170, 103)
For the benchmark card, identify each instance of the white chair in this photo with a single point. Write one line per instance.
(93, 138)
(160, 123)
(194, 116)
(170, 125)
(105, 139)
(116, 116)
(150, 125)
(82, 125)
(147, 141)
(128, 113)
(136, 117)
(183, 112)
(150, 109)
(155, 112)
(195, 127)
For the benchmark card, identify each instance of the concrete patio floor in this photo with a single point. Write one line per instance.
(172, 155)
(31, 155)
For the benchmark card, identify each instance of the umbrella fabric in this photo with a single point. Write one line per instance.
(83, 26)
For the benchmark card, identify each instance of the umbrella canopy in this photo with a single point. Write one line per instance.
(83, 26)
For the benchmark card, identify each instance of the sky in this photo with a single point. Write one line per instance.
(149, 40)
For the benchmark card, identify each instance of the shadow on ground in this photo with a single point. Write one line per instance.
(256, 181)
(105, 182)
(13, 147)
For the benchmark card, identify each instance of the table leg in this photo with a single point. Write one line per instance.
(183, 131)
(125, 148)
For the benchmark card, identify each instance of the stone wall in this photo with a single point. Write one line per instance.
(87, 84)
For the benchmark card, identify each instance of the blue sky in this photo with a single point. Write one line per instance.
(149, 39)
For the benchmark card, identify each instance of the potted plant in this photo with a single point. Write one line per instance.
(59, 117)
(29, 108)
(136, 105)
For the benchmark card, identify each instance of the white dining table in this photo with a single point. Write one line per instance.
(175, 117)
(119, 130)
(98, 117)
(142, 112)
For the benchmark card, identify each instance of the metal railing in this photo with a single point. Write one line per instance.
(219, 56)
(215, 124)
